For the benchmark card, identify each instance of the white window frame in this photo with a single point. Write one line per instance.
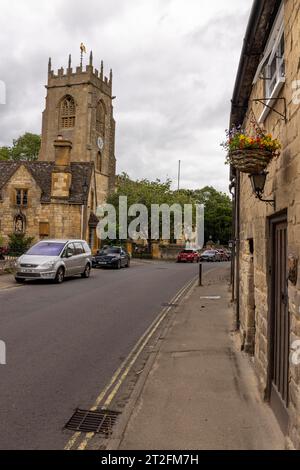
(271, 50)
(277, 77)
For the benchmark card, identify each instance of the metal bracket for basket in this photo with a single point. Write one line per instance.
(264, 100)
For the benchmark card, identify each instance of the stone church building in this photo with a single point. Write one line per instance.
(57, 195)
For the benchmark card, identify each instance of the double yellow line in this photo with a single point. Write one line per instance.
(122, 372)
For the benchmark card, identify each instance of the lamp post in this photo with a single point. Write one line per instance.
(258, 182)
(85, 188)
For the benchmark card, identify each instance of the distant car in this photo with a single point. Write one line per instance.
(54, 259)
(188, 256)
(223, 255)
(210, 256)
(113, 257)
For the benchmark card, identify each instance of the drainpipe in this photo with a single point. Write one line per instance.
(237, 248)
(232, 264)
(82, 209)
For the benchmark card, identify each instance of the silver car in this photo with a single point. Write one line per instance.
(54, 259)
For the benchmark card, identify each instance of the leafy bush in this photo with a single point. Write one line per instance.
(18, 244)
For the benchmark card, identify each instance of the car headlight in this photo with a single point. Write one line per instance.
(48, 265)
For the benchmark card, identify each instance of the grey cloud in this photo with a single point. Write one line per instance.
(173, 81)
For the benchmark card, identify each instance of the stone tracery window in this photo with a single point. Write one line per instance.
(100, 118)
(67, 113)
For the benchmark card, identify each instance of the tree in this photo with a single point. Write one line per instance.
(218, 209)
(26, 147)
(218, 214)
(18, 243)
(4, 153)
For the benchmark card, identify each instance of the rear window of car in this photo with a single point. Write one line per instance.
(209, 252)
(187, 251)
(46, 249)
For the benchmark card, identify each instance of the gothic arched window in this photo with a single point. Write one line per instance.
(67, 113)
(100, 118)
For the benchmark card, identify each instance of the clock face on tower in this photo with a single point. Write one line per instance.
(100, 143)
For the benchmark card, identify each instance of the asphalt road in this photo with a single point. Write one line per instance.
(64, 343)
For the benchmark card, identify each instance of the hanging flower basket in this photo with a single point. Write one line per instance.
(250, 154)
(250, 160)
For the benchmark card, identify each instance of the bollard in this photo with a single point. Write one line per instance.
(200, 274)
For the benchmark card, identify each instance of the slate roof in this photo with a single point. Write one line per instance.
(41, 172)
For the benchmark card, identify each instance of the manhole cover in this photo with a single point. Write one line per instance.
(100, 422)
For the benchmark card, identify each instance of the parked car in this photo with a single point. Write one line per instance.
(188, 256)
(113, 257)
(223, 255)
(210, 256)
(54, 259)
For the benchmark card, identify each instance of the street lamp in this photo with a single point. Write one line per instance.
(85, 187)
(258, 182)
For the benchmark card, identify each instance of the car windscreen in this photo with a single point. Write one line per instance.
(46, 249)
(187, 251)
(210, 252)
(110, 251)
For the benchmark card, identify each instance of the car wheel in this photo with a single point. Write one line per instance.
(87, 271)
(128, 264)
(119, 265)
(60, 275)
(19, 280)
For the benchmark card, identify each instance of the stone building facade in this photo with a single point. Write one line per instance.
(57, 195)
(267, 235)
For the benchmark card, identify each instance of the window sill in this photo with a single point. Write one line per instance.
(270, 100)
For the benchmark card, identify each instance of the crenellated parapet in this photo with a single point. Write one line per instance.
(79, 75)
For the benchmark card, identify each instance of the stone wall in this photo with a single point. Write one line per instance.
(283, 182)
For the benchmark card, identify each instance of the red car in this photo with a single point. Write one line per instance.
(188, 256)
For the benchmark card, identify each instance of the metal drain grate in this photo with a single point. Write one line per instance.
(100, 422)
(166, 304)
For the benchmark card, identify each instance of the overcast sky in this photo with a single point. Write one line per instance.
(174, 65)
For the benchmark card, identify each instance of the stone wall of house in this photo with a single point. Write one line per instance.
(64, 219)
(283, 182)
(247, 301)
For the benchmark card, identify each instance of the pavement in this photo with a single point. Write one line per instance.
(7, 281)
(197, 389)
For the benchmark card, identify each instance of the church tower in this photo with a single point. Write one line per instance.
(79, 110)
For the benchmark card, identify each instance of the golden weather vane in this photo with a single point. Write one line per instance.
(82, 51)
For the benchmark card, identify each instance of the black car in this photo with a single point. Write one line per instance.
(113, 257)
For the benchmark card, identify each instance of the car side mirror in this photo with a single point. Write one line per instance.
(69, 254)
